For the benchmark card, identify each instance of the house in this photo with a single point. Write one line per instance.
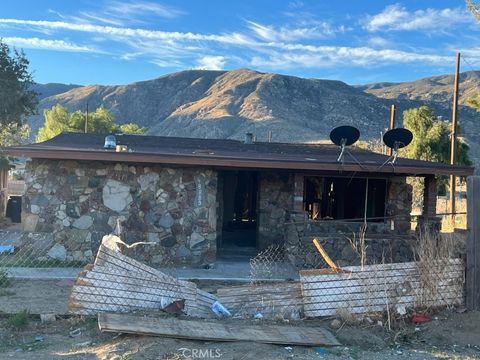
(202, 199)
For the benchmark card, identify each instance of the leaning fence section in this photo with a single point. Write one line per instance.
(384, 287)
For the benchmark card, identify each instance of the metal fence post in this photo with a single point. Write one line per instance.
(473, 244)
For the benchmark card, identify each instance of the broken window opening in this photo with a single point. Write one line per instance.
(336, 198)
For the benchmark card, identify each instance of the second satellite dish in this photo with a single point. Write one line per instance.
(397, 138)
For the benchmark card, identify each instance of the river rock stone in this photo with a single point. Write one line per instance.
(196, 239)
(39, 200)
(83, 222)
(57, 252)
(72, 210)
(168, 241)
(116, 195)
(148, 181)
(30, 222)
(153, 237)
(35, 209)
(182, 251)
(166, 221)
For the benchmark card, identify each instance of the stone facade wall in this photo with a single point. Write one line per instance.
(80, 202)
(275, 199)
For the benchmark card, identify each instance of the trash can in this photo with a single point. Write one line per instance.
(14, 209)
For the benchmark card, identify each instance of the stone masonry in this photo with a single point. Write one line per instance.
(275, 200)
(80, 202)
(177, 211)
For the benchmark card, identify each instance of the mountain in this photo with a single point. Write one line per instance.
(227, 104)
(50, 89)
(437, 92)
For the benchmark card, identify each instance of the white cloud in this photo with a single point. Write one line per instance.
(330, 56)
(48, 44)
(120, 13)
(269, 48)
(210, 62)
(296, 4)
(130, 8)
(126, 32)
(397, 17)
(315, 30)
(378, 41)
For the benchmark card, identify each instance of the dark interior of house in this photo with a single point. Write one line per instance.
(336, 198)
(240, 189)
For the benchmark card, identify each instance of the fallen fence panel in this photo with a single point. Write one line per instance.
(118, 283)
(216, 331)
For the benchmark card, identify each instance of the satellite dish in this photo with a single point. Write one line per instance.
(397, 138)
(344, 136)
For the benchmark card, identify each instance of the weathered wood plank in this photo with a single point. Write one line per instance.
(360, 271)
(216, 331)
(126, 280)
(374, 287)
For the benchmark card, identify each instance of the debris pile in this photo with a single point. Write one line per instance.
(118, 283)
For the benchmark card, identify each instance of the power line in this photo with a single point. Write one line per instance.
(469, 64)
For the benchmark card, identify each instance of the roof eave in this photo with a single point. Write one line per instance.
(233, 162)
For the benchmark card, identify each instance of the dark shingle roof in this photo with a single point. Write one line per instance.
(227, 153)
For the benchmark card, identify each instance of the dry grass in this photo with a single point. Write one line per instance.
(346, 315)
(432, 253)
(357, 242)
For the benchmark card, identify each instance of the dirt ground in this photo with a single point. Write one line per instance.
(449, 335)
(39, 296)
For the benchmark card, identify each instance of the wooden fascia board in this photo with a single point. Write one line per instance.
(230, 162)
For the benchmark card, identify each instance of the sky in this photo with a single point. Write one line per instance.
(358, 42)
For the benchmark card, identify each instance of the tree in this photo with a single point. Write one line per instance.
(58, 119)
(431, 140)
(474, 102)
(131, 128)
(474, 8)
(17, 100)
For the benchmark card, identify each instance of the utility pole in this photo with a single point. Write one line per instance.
(393, 113)
(453, 138)
(86, 120)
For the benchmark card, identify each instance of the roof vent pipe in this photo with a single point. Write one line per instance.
(110, 142)
(248, 138)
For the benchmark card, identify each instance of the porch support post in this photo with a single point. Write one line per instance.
(429, 198)
(299, 183)
(472, 278)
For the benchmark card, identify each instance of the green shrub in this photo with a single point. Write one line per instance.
(19, 320)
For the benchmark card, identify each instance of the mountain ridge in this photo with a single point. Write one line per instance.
(226, 104)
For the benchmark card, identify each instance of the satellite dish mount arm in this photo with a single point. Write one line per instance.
(342, 152)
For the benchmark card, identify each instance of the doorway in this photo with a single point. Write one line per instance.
(239, 218)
